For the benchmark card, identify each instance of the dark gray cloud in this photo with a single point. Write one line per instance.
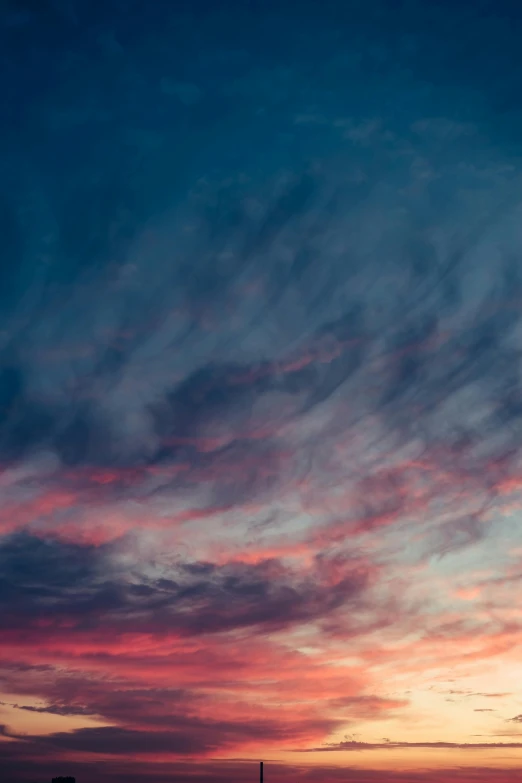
(53, 709)
(68, 694)
(182, 735)
(57, 580)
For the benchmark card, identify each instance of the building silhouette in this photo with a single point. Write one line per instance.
(64, 780)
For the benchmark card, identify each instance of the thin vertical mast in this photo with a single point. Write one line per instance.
(260, 772)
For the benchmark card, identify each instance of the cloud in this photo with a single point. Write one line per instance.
(260, 407)
(52, 709)
(367, 707)
(181, 735)
(66, 582)
(352, 745)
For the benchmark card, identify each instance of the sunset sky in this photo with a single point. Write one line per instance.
(260, 391)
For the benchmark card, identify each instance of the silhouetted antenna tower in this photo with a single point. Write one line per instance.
(260, 772)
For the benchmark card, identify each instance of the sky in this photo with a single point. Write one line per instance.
(260, 391)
